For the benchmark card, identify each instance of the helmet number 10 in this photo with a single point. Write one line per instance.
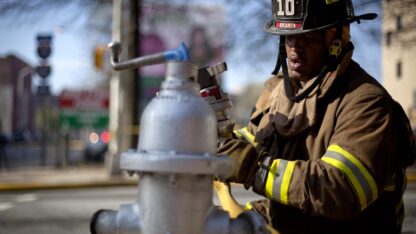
(289, 7)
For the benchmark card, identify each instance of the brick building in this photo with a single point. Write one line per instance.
(16, 96)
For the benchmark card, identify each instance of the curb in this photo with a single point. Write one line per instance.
(411, 178)
(9, 187)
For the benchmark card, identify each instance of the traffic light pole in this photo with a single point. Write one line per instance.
(123, 85)
(44, 50)
(44, 146)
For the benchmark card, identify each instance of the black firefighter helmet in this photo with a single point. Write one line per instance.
(291, 17)
(300, 16)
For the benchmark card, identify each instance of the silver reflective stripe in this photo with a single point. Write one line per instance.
(278, 179)
(361, 179)
(357, 173)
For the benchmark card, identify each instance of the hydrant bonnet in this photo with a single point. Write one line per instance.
(186, 122)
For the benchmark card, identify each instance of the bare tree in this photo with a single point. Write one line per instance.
(245, 19)
(28, 12)
(26, 8)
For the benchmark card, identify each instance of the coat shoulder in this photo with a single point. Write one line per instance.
(263, 102)
(272, 82)
(360, 83)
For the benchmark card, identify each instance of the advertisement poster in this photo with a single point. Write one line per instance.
(164, 27)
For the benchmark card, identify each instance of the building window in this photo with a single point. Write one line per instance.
(388, 38)
(399, 24)
(399, 69)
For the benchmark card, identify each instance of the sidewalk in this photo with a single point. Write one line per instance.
(35, 178)
(411, 173)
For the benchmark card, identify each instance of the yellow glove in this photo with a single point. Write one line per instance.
(229, 203)
(227, 200)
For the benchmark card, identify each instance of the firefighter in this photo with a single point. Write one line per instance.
(324, 144)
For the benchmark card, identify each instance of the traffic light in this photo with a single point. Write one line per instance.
(99, 57)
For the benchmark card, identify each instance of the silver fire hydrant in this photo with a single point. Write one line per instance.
(176, 163)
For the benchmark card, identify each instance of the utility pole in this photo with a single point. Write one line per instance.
(124, 85)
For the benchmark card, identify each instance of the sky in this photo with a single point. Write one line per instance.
(72, 53)
(72, 56)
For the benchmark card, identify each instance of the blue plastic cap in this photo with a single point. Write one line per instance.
(180, 54)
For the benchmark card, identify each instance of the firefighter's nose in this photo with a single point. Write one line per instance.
(297, 41)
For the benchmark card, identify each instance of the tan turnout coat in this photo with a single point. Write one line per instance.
(347, 119)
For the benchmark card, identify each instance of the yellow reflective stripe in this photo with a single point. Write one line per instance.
(330, 1)
(357, 163)
(354, 160)
(270, 179)
(238, 134)
(244, 133)
(248, 206)
(278, 180)
(355, 183)
(287, 177)
(399, 206)
(400, 213)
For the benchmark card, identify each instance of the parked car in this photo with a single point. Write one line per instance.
(96, 146)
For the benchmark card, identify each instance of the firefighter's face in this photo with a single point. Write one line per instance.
(305, 55)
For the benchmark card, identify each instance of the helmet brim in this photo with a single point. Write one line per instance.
(271, 28)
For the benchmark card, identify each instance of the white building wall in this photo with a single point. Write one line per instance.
(401, 50)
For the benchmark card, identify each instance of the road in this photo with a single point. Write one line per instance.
(69, 211)
(65, 211)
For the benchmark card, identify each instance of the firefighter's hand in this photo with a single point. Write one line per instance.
(244, 157)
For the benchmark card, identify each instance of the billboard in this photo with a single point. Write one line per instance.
(165, 26)
(84, 108)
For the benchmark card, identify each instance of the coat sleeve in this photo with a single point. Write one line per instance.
(352, 172)
(242, 148)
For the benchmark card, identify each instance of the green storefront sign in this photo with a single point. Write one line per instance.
(84, 119)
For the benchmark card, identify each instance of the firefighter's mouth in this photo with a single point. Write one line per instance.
(295, 62)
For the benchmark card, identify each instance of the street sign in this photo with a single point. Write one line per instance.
(81, 119)
(44, 45)
(84, 99)
(43, 90)
(43, 70)
(84, 108)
